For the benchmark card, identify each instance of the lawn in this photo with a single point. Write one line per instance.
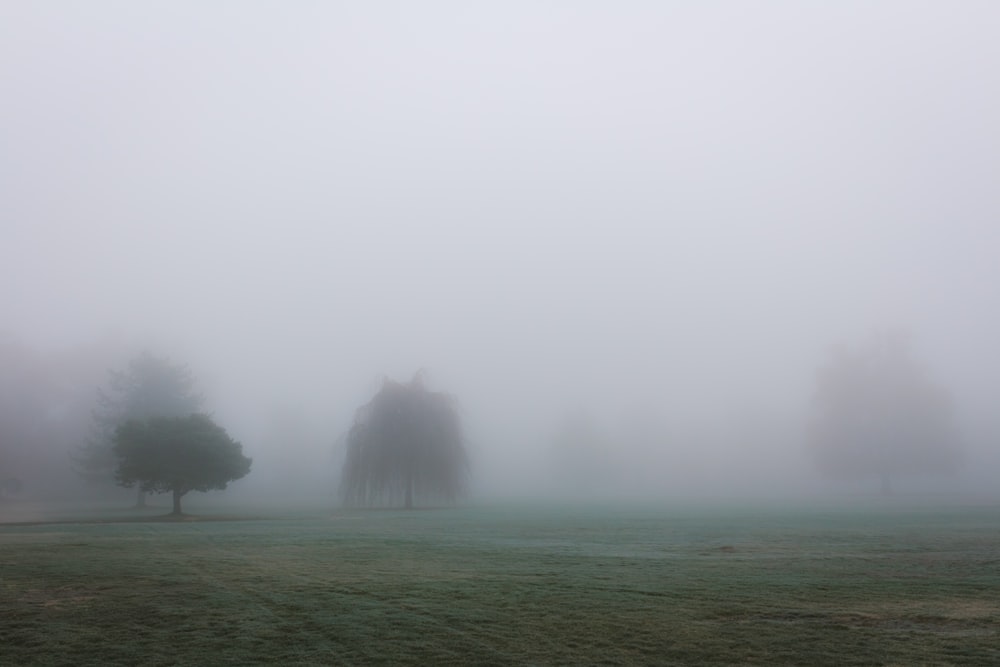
(877, 584)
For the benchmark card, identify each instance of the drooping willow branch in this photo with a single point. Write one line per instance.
(405, 446)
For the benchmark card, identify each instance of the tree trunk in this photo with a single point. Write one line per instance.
(140, 499)
(408, 491)
(177, 502)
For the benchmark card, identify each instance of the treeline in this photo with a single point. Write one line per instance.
(68, 420)
(144, 425)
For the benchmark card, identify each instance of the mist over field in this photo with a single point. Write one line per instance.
(648, 222)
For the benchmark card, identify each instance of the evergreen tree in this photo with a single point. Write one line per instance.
(150, 386)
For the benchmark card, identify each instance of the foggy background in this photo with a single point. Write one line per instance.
(658, 215)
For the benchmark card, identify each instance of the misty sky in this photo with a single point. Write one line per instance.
(548, 205)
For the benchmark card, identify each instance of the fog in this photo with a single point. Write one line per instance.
(658, 215)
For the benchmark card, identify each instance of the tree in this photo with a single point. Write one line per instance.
(46, 397)
(405, 444)
(581, 456)
(177, 454)
(10, 487)
(23, 389)
(877, 412)
(149, 387)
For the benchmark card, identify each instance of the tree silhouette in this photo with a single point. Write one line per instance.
(877, 412)
(150, 386)
(405, 445)
(581, 456)
(9, 487)
(177, 454)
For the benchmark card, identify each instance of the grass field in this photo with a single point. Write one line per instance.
(883, 584)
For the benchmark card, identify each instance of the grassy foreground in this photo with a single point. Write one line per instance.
(509, 586)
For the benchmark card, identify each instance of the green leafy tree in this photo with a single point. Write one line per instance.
(405, 445)
(177, 454)
(150, 386)
(876, 412)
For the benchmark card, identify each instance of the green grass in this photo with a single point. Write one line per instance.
(886, 585)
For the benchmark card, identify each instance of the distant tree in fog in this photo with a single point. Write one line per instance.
(149, 387)
(22, 407)
(177, 454)
(876, 412)
(405, 445)
(42, 412)
(9, 487)
(581, 456)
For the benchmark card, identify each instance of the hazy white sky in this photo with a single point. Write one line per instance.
(544, 203)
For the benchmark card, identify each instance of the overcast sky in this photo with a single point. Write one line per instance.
(548, 205)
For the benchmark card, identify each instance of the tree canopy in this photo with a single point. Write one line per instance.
(405, 446)
(876, 412)
(177, 454)
(150, 386)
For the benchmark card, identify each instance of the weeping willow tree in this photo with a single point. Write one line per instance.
(405, 446)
